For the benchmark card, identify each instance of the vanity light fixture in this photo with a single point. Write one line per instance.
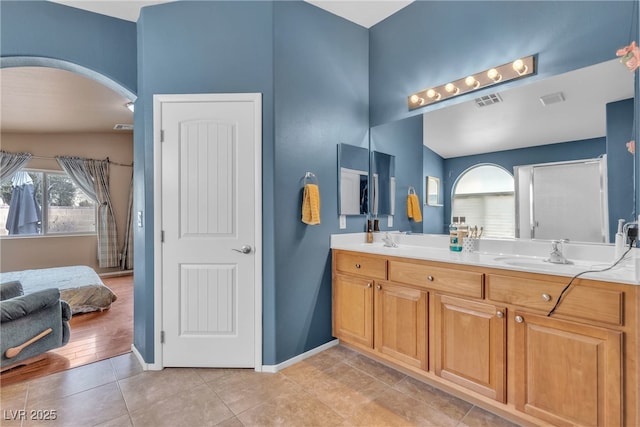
(517, 69)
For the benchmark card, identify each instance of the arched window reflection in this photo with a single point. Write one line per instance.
(485, 196)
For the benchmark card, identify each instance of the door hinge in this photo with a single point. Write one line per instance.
(162, 236)
(161, 337)
(162, 136)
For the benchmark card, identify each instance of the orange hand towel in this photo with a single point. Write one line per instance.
(311, 204)
(413, 208)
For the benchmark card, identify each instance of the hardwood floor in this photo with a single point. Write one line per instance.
(94, 336)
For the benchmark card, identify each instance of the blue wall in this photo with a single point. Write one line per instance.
(403, 139)
(432, 42)
(434, 218)
(199, 47)
(45, 29)
(321, 99)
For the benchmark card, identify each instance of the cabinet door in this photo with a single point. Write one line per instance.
(353, 310)
(567, 373)
(470, 345)
(401, 323)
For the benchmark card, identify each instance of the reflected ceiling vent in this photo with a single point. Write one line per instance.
(121, 126)
(486, 100)
(552, 98)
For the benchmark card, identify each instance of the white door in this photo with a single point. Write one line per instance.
(211, 156)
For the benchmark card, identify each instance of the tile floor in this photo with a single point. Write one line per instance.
(337, 387)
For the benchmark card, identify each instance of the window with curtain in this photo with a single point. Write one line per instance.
(485, 196)
(36, 202)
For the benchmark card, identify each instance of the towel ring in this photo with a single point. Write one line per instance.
(411, 190)
(310, 176)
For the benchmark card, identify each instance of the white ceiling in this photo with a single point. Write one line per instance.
(363, 12)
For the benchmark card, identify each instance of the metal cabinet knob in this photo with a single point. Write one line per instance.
(546, 297)
(519, 319)
(379, 287)
(368, 285)
(499, 314)
(357, 265)
(430, 278)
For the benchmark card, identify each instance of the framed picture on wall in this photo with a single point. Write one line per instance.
(433, 191)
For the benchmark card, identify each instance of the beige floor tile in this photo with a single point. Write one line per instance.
(86, 408)
(126, 366)
(71, 381)
(381, 372)
(341, 352)
(149, 387)
(305, 373)
(392, 408)
(243, 392)
(231, 422)
(478, 417)
(199, 406)
(452, 406)
(121, 421)
(291, 409)
(213, 374)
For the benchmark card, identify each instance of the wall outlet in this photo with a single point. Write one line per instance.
(343, 222)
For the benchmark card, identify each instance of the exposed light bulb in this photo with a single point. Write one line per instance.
(494, 75)
(415, 99)
(520, 67)
(432, 94)
(472, 82)
(451, 88)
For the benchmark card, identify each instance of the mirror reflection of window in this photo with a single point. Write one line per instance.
(485, 196)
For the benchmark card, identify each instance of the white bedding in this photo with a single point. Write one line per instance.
(80, 286)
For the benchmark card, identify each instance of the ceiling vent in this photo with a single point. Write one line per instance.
(121, 126)
(491, 99)
(552, 98)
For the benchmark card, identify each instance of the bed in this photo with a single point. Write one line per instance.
(79, 285)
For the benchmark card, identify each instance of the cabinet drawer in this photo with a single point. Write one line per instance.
(446, 280)
(362, 265)
(602, 305)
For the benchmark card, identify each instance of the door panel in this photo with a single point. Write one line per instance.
(209, 211)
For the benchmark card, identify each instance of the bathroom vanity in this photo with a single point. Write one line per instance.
(476, 325)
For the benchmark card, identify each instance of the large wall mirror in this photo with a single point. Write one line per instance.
(353, 180)
(583, 114)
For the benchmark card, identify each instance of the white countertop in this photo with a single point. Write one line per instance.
(508, 254)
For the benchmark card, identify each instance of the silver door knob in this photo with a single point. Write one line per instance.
(379, 287)
(368, 285)
(519, 319)
(499, 314)
(430, 278)
(245, 249)
(546, 297)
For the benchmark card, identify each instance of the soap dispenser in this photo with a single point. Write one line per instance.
(620, 241)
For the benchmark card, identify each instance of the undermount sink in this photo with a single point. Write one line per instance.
(521, 261)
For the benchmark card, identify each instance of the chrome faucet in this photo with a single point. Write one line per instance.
(388, 241)
(556, 256)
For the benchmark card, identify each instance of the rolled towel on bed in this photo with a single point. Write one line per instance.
(413, 207)
(311, 204)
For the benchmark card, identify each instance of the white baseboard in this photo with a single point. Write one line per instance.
(275, 368)
(145, 366)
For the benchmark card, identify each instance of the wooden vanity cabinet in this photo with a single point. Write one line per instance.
(401, 323)
(567, 373)
(470, 345)
(484, 333)
(353, 309)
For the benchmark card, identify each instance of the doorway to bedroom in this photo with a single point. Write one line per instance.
(49, 111)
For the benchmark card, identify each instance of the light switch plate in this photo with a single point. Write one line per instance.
(343, 222)
(390, 221)
(140, 219)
